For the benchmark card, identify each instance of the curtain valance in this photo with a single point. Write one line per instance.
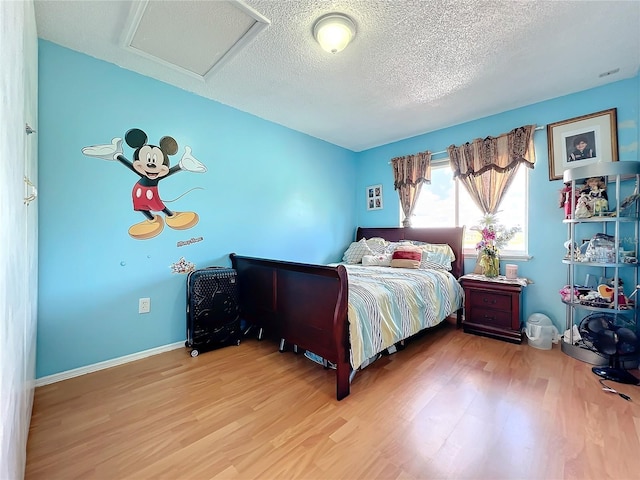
(500, 153)
(486, 167)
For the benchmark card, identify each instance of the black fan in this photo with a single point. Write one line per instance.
(617, 342)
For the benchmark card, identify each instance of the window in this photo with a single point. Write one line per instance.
(445, 203)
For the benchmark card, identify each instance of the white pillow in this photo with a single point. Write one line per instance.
(356, 251)
(380, 260)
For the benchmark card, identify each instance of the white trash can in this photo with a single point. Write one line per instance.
(540, 331)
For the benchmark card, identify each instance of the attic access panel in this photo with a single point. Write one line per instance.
(194, 37)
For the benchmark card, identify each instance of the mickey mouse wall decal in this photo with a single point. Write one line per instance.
(151, 163)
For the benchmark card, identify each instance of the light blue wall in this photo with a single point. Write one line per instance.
(269, 191)
(547, 233)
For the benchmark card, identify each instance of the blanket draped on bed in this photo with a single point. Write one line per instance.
(387, 305)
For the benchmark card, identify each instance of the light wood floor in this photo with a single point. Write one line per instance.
(451, 405)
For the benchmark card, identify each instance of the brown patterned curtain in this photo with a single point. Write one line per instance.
(486, 167)
(409, 173)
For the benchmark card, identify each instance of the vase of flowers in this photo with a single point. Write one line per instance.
(494, 237)
(490, 262)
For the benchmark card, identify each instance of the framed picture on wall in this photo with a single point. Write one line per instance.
(374, 197)
(582, 141)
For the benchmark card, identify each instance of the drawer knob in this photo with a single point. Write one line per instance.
(486, 300)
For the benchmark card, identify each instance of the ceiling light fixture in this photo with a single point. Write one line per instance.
(334, 31)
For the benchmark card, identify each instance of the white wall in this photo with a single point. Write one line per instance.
(18, 232)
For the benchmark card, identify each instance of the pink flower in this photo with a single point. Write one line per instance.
(494, 236)
(488, 234)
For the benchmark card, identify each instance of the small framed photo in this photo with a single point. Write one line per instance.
(582, 141)
(374, 197)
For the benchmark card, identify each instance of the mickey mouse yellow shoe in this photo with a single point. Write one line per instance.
(147, 229)
(182, 220)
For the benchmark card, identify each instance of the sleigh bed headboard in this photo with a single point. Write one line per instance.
(451, 235)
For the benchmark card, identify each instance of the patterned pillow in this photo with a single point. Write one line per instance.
(392, 246)
(378, 245)
(381, 260)
(442, 249)
(428, 264)
(356, 251)
(438, 256)
(406, 256)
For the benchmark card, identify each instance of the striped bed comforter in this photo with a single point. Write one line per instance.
(388, 304)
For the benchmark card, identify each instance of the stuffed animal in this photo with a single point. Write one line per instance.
(606, 292)
(565, 293)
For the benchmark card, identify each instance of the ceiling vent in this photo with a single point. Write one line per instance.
(195, 37)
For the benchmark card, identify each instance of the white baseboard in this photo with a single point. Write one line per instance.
(76, 372)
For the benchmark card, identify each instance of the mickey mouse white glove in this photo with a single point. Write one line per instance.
(189, 163)
(106, 152)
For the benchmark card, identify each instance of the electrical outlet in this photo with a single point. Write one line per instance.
(144, 305)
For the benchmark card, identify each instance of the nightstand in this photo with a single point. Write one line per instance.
(492, 306)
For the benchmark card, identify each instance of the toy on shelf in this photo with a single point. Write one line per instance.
(596, 190)
(591, 199)
(602, 296)
(565, 198)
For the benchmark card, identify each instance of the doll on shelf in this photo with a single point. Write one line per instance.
(565, 198)
(584, 207)
(596, 189)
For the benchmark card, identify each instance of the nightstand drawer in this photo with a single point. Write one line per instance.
(483, 299)
(489, 317)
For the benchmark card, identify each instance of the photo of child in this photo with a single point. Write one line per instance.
(582, 141)
(580, 147)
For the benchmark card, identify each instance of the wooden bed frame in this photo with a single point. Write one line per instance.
(306, 305)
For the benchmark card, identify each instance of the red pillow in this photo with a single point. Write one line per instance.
(407, 256)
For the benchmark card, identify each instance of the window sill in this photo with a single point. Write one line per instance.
(518, 257)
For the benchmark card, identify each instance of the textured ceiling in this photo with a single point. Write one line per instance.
(414, 66)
